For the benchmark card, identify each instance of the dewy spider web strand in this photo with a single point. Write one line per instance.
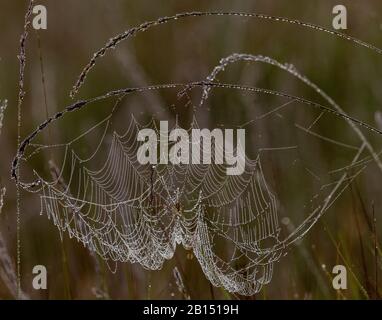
(128, 212)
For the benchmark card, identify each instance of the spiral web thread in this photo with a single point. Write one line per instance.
(139, 213)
